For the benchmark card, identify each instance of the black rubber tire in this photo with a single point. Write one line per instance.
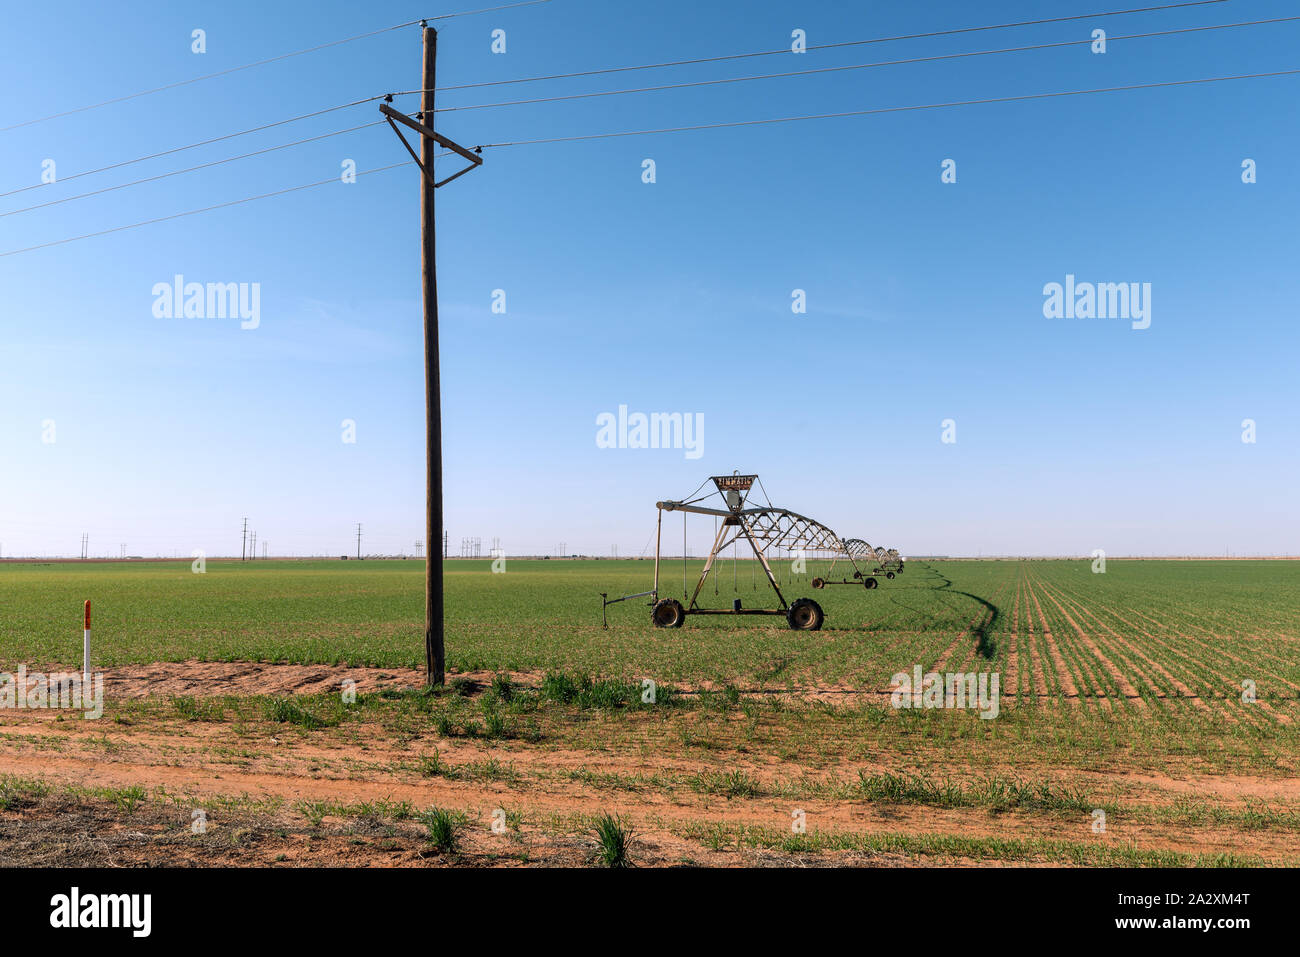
(668, 613)
(889, 575)
(805, 615)
(871, 583)
(818, 583)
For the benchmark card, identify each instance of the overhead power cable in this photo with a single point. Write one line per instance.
(859, 66)
(257, 63)
(191, 169)
(294, 119)
(194, 212)
(191, 146)
(679, 129)
(823, 46)
(889, 109)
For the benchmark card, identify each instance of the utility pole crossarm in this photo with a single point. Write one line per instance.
(391, 114)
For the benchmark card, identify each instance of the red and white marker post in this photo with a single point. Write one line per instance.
(85, 645)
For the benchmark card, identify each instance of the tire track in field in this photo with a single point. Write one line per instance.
(1117, 676)
(1116, 639)
(1114, 645)
(982, 620)
(1031, 645)
(1184, 690)
(1013, 641)
(1064, 679)
(1093, 689)
(1094, 683)
(988, 611)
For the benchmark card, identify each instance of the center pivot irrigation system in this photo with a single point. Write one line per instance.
(768, 530)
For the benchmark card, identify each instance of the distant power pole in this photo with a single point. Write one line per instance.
(444, 544)
(358, 541)
(418, 546)
(264, 549)
(243, 545)
(252, 550)
(85, 545)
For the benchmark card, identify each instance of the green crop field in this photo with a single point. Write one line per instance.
(1151, 628)
(1165, 694)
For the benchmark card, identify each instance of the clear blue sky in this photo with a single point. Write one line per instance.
(925, 300)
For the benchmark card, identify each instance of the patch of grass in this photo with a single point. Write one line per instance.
(431, 765)
(315, 811)
(998, 793)
(288, 711)
(443, 827)
(721, 836)
(588, 693)
(198, 709)
(614, 838)
(732, 784)
(502, 689)
(17, 793)
(126, 799)
(495, 726)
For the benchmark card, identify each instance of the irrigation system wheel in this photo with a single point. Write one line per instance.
(889, 575)
(668, 613)
(805, 615)
(871, 583)
(819, 583)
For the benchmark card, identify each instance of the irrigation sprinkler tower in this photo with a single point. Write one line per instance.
(434, 651)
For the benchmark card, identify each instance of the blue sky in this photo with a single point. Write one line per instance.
(925, 299)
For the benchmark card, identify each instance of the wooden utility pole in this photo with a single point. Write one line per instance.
(434, 652)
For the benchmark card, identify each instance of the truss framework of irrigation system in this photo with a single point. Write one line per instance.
(767, 529)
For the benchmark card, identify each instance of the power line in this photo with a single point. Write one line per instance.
(191, 169)
(826, 46)
(343, 106)
(257, 63)
(860, 66)
(679, 129)
(192, 212)
(890, 109)
(191, 146)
